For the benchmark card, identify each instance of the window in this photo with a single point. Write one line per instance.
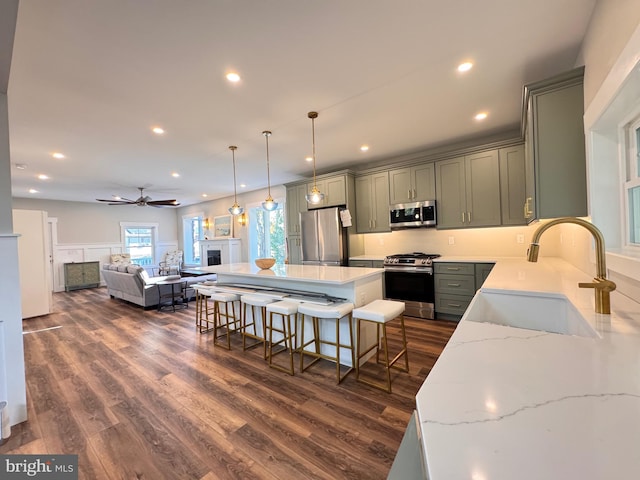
(632, 183)
(266, 234)
(140, 242)
(192, 233)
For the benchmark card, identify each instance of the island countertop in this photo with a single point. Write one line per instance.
(300, 273)
(506, 403)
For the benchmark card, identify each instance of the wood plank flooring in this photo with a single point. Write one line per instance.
(141, 395)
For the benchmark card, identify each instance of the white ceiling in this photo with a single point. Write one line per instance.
(89, 78)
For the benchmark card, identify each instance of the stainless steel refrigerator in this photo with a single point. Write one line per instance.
(324, 239)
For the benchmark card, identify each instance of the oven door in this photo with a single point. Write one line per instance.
(414, 285)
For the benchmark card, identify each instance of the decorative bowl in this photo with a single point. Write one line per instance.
(265, 263)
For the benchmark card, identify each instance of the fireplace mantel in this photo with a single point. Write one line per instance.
(228, 248)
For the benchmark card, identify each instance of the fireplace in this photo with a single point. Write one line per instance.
(214, 257)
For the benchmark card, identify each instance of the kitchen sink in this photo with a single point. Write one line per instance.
(530, 311)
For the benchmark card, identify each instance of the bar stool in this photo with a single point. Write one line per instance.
(260, 303)
(381, 312)
(326, 312)
(202, 309)
(225, 299)
(285, 310)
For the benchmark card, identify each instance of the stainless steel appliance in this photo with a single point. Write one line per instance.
(408, 277)
(324, 239)
(410, 215)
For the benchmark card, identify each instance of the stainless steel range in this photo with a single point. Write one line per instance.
(408, 278)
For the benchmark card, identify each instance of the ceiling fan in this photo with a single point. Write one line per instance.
(142, 201)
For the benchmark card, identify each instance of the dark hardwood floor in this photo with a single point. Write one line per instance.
(141, 395)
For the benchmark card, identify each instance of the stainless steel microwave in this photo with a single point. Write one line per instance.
(411, 215)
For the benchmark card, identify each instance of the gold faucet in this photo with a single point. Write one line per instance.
(600, 284)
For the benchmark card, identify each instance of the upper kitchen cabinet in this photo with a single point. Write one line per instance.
(468, 192)
(372, 203)
(555, 147)
(412, 184)
(512, 185)
(334, 189)
(296, 203)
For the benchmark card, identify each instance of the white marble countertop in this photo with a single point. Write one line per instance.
(512, 403)
(368, 257)
(300, 273)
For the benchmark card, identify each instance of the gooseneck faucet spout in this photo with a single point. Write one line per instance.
(600, 284)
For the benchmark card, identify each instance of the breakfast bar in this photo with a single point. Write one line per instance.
(356, 285)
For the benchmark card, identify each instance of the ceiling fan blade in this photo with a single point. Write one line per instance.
(114, 202)
(163, 203)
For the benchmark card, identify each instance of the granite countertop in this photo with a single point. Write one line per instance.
(301, 273)
(505, 403)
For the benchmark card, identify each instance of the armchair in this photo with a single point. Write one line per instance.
(172, 263)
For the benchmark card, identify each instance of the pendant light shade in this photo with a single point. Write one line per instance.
(269, 204)
(315, 196)
(235, 208)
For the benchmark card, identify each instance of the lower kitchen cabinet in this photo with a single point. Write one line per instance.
(455, 285)
(81, 275)
(366, 263)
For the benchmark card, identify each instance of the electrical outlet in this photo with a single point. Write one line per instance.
(452, 241)
(520, 238)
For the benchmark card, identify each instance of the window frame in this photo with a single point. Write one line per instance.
(190, 256)
(629, 171)
(253, 244)
(154, 237)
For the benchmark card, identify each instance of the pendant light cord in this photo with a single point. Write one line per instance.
(235, 189)
(266, 134)
(313, 116)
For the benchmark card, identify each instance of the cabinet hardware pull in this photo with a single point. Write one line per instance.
(469, 216)
(409, 193)
(453, 284)
(454, 269)
(457, 305)
(414, 193)
(462, 217)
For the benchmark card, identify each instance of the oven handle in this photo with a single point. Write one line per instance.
(427, 270)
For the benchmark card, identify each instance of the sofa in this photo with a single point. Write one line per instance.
(133, 284)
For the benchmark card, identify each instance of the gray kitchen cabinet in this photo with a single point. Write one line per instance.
(455, 285)
(294, 249)
(555, 158)
(372, 203)
(512, 185)
(468, 191)
(366, 263)
(412, 184)
(296, 203)
(334, 189)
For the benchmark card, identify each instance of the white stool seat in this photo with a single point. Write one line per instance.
(283, 307)
(256, 300)
(337, 310)
(381, 311)
(224, 297)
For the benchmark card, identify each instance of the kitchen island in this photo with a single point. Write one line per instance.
(357, 285)
(527, 403)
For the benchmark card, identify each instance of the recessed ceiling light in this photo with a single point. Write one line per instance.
(465, 67)
(233, 77)
(243, 185)
(42, 176)
(33, 190)
(481, 116)
(158, 130)
(57, 155)
(116, 197)
(175, 174)
(204, 195)
(309, 159)
(364, 148)
(21, 166)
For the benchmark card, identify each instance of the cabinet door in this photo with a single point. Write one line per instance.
(364, 206)
(450, 193)
(91, 273)
(73, 274)
(335, 192)
(380, 202)
(296, 203)
(424, 178)
(360, 263)
(294, 249)
(400, 186)
(529, 207)
(512, 185)
(482, 272)
(483, 189)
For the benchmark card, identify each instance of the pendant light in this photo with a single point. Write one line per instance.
(315, 196)
(269, 205)
(235, 209)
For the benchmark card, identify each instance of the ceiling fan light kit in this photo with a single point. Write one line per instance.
(141, 201)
